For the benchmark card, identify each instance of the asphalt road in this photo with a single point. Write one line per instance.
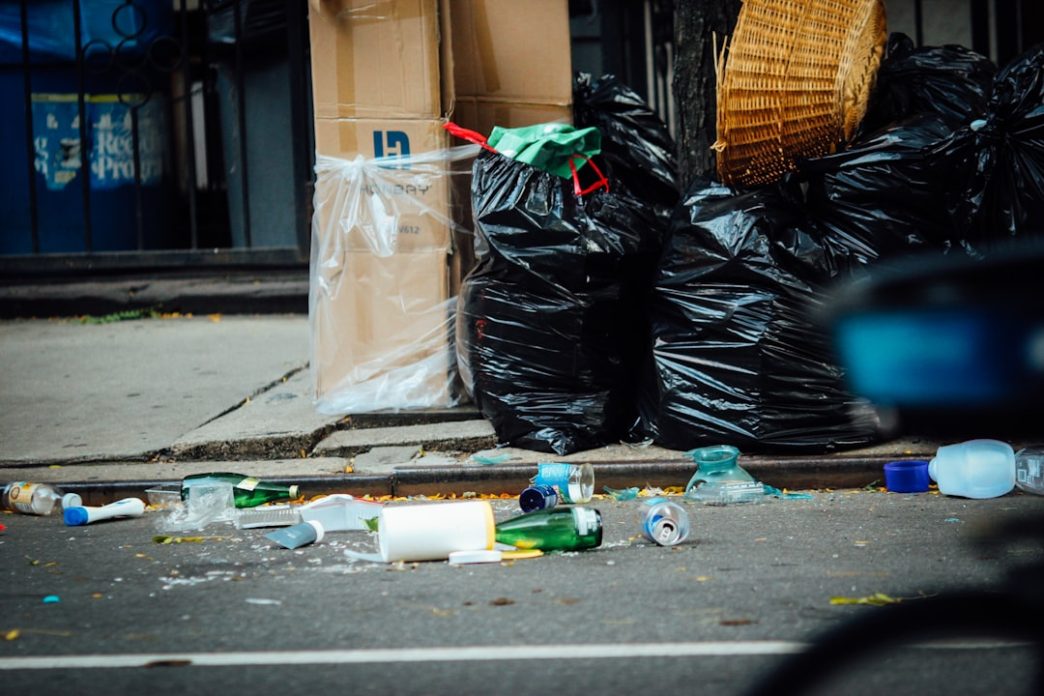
(234, 614)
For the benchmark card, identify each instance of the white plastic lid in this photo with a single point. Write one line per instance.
(319, 531)
(477, 556)
(70, 500)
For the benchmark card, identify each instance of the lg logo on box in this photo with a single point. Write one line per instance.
(391, 144)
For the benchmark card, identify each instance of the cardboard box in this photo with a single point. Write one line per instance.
(375, 58)
(380, 333)
(395, 208)
(383, 82)
(509, 51)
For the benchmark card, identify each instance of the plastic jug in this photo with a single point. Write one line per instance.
(974, 469)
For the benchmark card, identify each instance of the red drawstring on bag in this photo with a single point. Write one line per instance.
(602, 181)
(479, 139)
(467, 134)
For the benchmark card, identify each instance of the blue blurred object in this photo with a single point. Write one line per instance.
(951, 344)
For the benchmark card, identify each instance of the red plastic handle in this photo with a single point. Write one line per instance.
(601, 183)
(467, 134)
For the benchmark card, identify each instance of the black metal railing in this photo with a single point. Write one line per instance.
(155, 129)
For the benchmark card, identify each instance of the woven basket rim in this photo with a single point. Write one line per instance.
(793, 80)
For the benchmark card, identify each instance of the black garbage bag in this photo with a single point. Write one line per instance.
(952, 82)
(738, 357)
(1002, 192)
(635, 141)
(549, 321)
(884, 195)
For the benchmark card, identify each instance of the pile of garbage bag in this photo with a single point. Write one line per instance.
(702, 310)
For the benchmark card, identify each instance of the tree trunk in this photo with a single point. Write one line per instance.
(695, 24)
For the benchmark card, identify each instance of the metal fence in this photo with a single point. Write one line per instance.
(162, 131)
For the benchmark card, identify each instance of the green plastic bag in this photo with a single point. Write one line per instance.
(548, 147)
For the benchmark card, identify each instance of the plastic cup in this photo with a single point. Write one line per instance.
(574, 482)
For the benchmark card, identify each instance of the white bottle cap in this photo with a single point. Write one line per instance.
(933, 471)
(70, 500)
(319, 531)
(477, 556)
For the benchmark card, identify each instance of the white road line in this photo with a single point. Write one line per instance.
(443, 654)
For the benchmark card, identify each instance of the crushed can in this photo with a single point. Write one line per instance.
(664, 522)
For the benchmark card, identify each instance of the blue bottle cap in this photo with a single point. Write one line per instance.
(906, 476)
(74, 516)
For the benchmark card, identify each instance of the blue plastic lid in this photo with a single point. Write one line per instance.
(906, 476)
(75, 516)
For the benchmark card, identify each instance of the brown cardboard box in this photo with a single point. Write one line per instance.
(375, 58)
(383, 82)
(381, 333)
(509, 51)
(417, 193)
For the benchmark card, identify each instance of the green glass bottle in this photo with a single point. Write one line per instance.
(556, 529)
(246, 490)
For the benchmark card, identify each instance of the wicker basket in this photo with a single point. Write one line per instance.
(796, 83)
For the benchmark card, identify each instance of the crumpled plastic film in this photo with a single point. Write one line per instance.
(381, 301)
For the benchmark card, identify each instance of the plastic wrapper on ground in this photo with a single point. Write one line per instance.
(380, 301)
(548, 321)
(737, 357)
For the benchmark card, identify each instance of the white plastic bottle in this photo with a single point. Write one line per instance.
(128, 507)
(1029, 470)
(974, 469)
(36, 498)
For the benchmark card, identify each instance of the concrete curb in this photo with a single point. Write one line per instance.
(793, 474)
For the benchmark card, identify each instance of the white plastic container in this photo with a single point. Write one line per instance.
(974, 469)
(433, 531)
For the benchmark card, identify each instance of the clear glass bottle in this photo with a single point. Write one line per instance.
(1029, 469)
(246, 490)
(664, 522)
(555, 529)
(36, 498)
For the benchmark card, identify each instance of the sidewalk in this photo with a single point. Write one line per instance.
(115, 408)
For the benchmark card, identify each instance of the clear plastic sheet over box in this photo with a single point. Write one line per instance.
(387, 241)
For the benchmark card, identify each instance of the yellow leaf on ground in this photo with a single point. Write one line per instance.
(13, 634)
(214, 318)
(878, 599)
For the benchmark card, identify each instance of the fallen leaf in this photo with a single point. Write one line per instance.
(214, 318)
(164, 539)
(97, 595)
(878, 599)
(13, 634)
(441, 612)
(502, 602)
(568, 601)
(736, 622)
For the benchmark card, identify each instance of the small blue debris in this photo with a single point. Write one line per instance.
(952, 520)
(52, 599)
